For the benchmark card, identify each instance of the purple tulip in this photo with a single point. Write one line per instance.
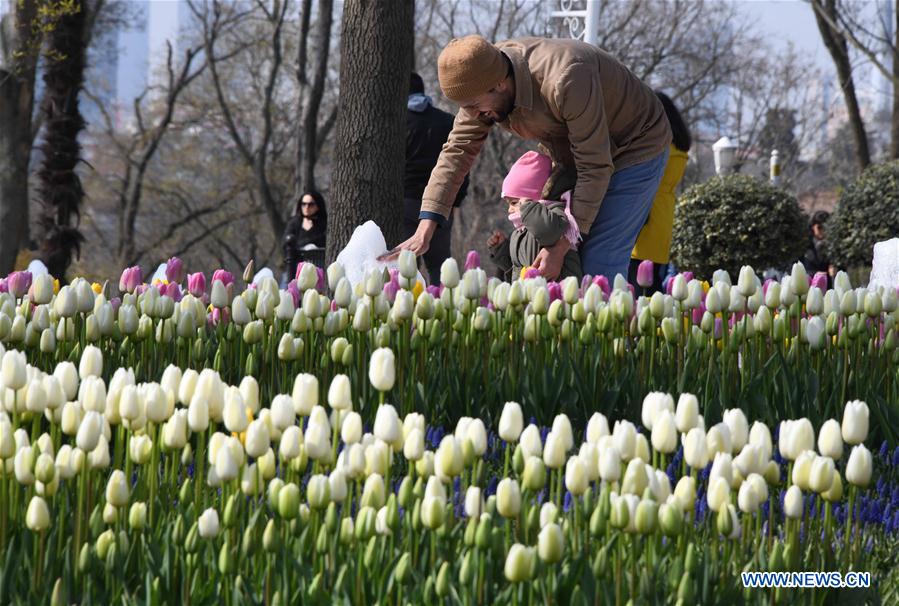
(472, 260)
(196, 284)
(390, 290)
(116, 302)
(555, 291)
(141, 289)
(131, 279)
(603, 284)
(223, 276)
(688, 275)
(531, 272)
(333, 305)
(820, 280)
(173, 290)
(174, 270)
(18, 283)
(645, 272)
(719, 327)
(4, 286)
(294, 291)
(320, 283)
(585, 282)
(434, 291)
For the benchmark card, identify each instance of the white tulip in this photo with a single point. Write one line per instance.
(511, 422)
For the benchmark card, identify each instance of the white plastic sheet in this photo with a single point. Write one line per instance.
(885, 268)
(361, 253)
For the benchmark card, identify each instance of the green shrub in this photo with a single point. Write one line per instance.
(867, 212)
(737, 220)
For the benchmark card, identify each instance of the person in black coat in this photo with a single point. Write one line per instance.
(427, 129)
(305, 230)
(815, 259)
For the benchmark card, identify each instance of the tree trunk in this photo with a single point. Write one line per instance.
(838, 48)
(314, 100)
(60, 187)
(17, 76)
(894, 122)
(376, 52)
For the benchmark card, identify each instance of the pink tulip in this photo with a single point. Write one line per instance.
(719, 327)
(220, 316)
(333, 305)
(765, 286)
(18, 283)
(688, 275)
(698, 312)
(630, 287)
(434, 291)
(196, 284)
(645, 271)
(174, 270)
(294, 291)
(4, 286)
(603, 284)
(131, 279)
(141, 289)
(223, 276)
(820, 280)
(116, 302)
(472, 260)
(531, 272)
(555, 291)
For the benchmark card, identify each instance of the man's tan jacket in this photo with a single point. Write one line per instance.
(582, 104)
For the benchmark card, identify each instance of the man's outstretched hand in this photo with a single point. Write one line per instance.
(549, 260)
(418, 243)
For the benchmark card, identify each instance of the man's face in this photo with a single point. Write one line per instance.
(493, 106)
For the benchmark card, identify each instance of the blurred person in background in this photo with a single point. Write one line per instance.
(815, 258)
(305, 232)
(427, 129)
(654, 242)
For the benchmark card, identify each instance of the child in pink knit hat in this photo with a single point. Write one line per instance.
(538, 223)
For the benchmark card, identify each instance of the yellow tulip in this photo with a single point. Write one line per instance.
(55, 286)
(97, 288)
(417, 290)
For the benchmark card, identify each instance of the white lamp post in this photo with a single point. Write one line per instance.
(725, 155)
(775, 167)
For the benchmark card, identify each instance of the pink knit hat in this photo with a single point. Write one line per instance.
(527, 176)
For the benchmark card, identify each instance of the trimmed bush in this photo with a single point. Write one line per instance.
(737, 220)
(867, 213)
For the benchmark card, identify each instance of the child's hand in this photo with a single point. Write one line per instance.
(496, 238)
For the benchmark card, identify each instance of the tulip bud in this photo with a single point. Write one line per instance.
(137, 516)
(859, 467)
(855, 422)
(508, 498)
(519, 562)
(432, 512)
(37, 517)
(208, 524)
(381, 370)
(793, 504)
(551, 544)
(830, 441)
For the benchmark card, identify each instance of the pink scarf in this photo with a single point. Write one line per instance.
(572, 234)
